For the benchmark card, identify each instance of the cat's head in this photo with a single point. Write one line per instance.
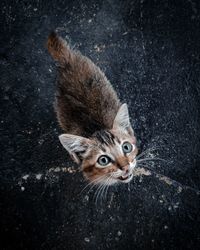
(109, 156)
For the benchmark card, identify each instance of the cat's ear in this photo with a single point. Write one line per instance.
(122, 120)
(75, 145)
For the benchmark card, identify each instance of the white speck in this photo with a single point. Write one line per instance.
(25, 177)
(38, 176)
(169, 208)
(57, 169)
(87, 198)
(35, 9)
(179, 189)
(90, 20)
(50, 70)
(119, 233)
(22, 189)
(176, 205)
(165, 227)
(86, 239)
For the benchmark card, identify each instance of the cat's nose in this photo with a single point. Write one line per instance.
(125, 168)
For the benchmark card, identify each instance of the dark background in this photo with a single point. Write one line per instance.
(150, 51)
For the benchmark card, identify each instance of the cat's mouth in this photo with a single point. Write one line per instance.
(125, 178)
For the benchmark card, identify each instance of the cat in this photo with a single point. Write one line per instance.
(98, 134)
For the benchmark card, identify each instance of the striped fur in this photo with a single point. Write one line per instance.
(89, 111)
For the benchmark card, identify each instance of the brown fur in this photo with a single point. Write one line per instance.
(87, 105)
(85, 99)
(92, 172)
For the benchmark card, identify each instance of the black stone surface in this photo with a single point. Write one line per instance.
(150, 50)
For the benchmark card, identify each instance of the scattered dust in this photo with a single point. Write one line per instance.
(141, 171)
(169, 208)
(64, 169)
(164, 179)
(47, 174)
(119, 233)
(180, 189)
(111, 199)
(99, 48)
(176, 205)
(38, 176)
(86, 198)
(70, 170)
(86, 239)
(25, 177)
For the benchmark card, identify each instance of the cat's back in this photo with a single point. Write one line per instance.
(85, 99)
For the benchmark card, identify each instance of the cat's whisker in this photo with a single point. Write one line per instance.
(101, 190)
(87, 185)
(92, 186)
(104, 188)
(100, 187)
(98, 193)
(93, 183)
(107, 185)
(147, 151)
(109, 181)
(116, 174)
(129, 186)
(151, 159)
(143, 165)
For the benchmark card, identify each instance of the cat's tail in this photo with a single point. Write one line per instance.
(58, 48)
(84, 96)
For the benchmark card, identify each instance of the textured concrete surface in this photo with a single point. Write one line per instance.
(150, 51)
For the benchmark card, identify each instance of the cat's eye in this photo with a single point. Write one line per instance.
(103, 160)
(127, 147)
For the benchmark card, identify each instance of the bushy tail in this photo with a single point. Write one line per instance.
(84, 95)
(58, 48)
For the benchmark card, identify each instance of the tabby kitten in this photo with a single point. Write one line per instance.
(98, 135)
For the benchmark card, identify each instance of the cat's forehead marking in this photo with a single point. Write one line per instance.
(102, 148)
(118, 140)
(105, 137)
